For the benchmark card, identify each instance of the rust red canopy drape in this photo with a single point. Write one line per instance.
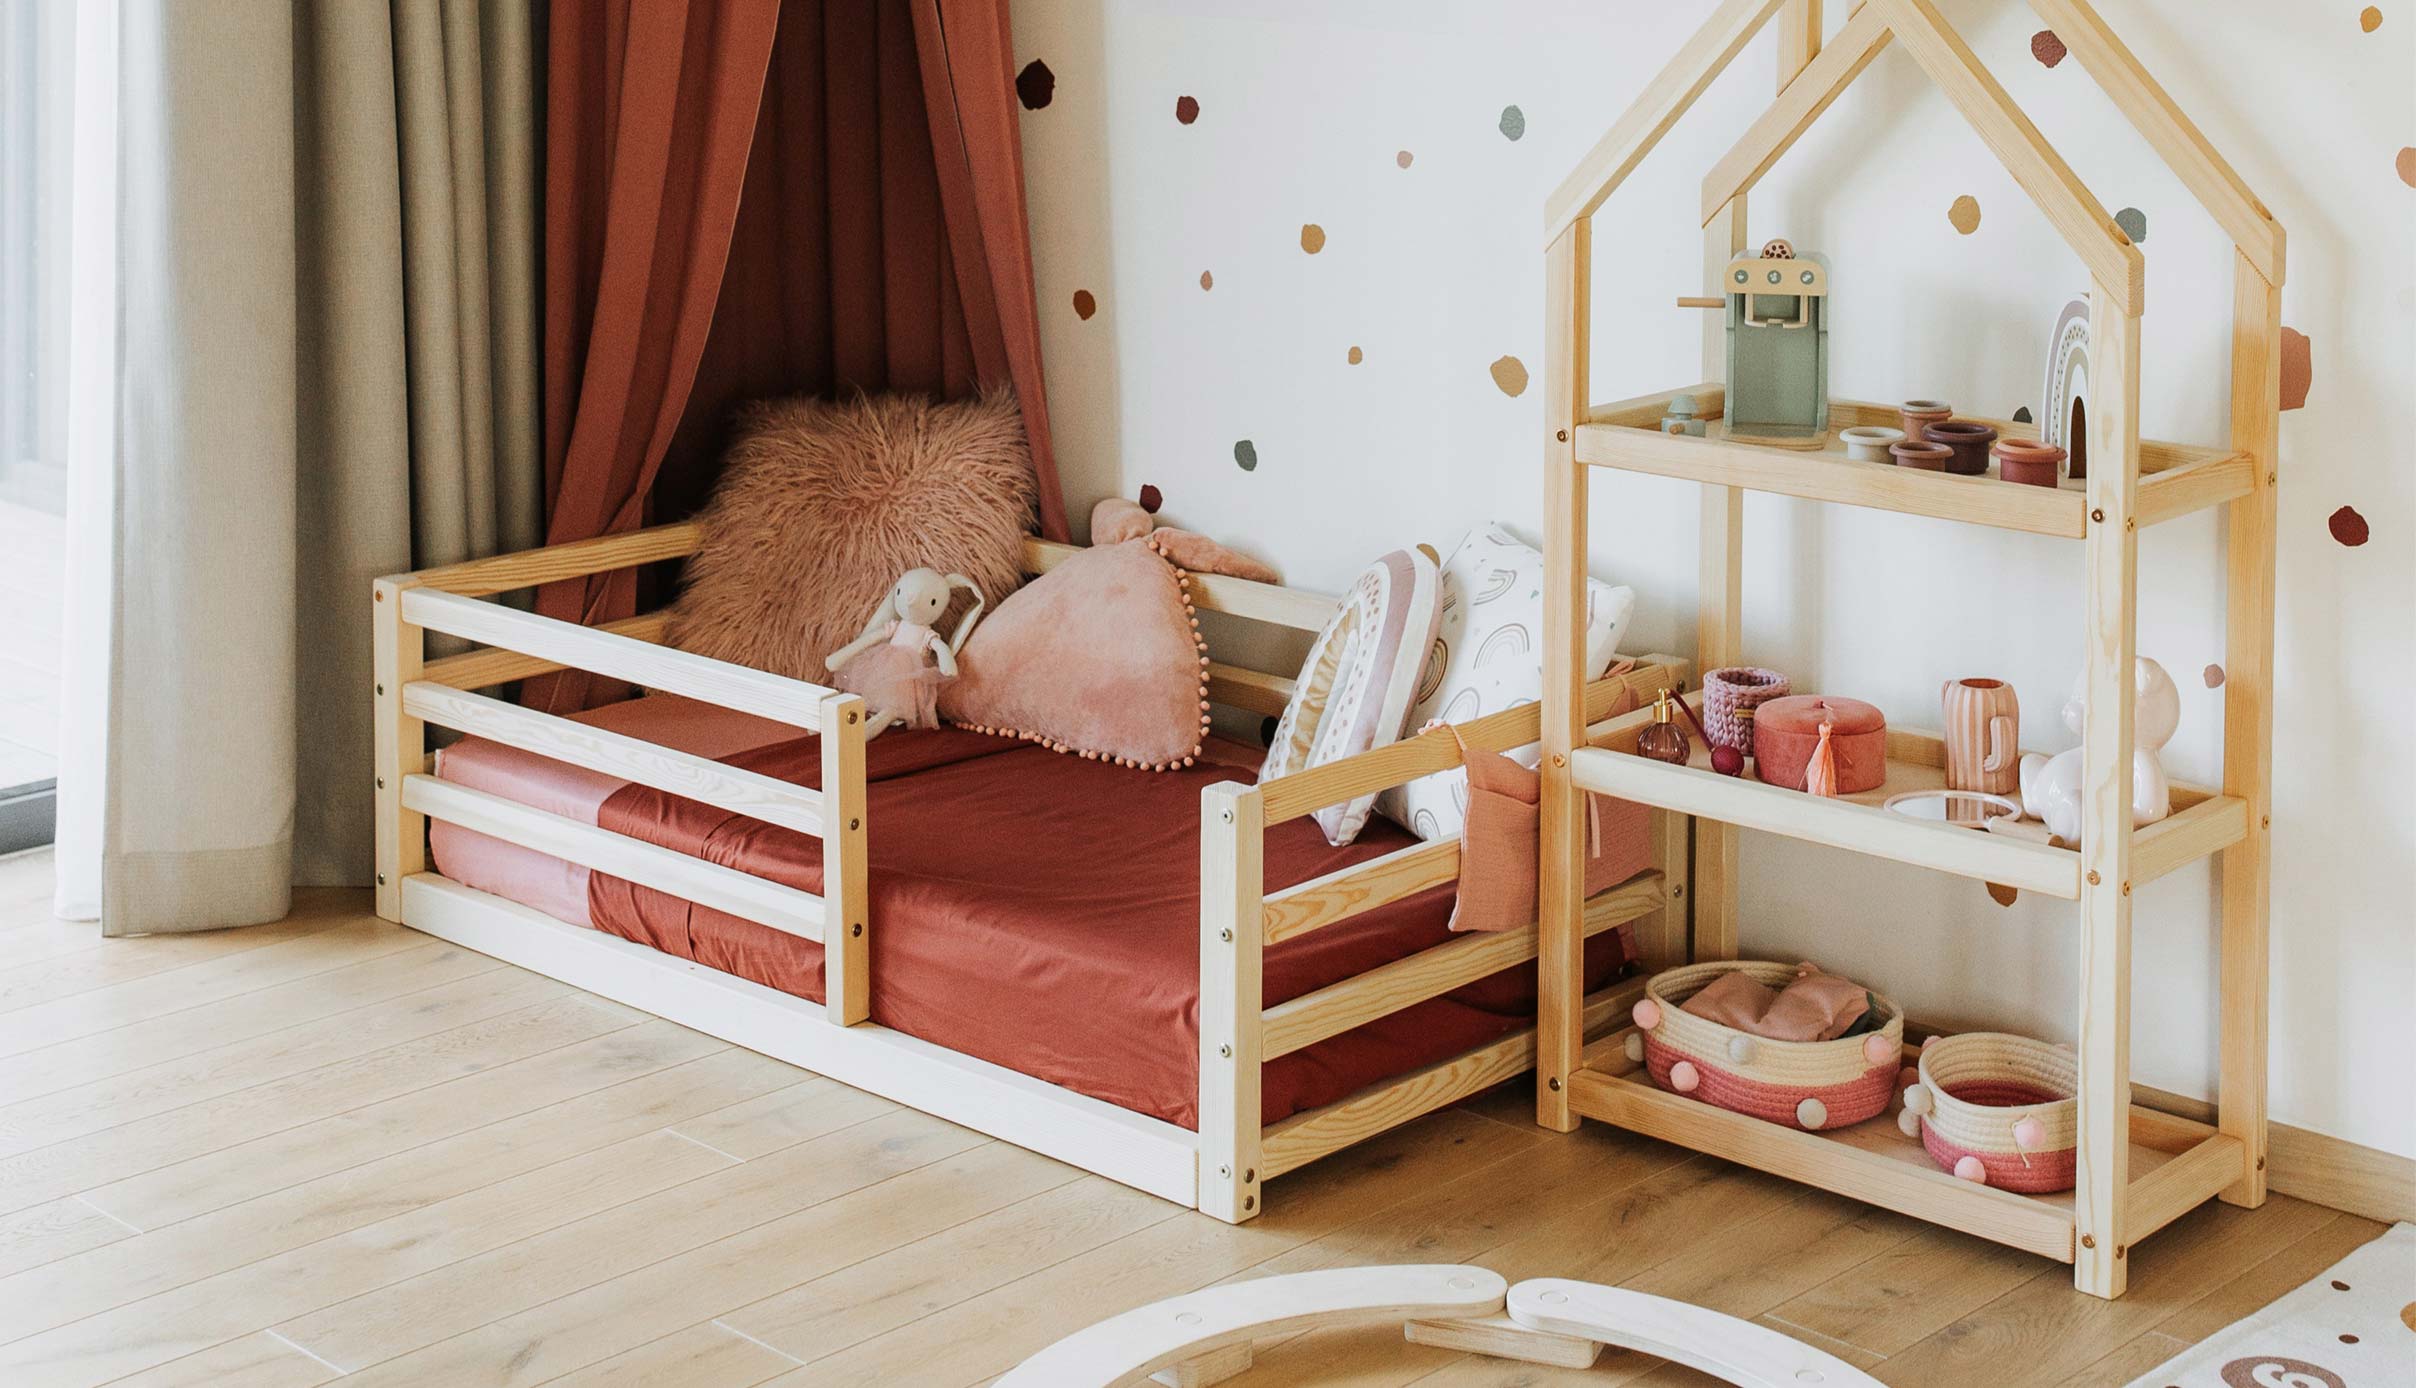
(765, 197)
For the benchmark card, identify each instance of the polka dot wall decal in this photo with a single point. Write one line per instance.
(2213, 675)
(2348, 527)
(1186, 109)
(2298, 368)
(1511, 375)
(1312, 237)
(1355, 356)
(2370, 20)
(1151, 498)
(2046, 47)
(1207, 281)
(1245, 455)
(2134, 224)
(1404, 158)
(2407, 166)
(1035, 86)
(1965, 214)
(1085, 304)
(1513, 123)
(2021, 414)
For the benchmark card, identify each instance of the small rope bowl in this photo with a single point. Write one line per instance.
(1998, 1109)
(1801, 1084)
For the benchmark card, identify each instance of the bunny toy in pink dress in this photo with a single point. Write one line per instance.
(898, 664)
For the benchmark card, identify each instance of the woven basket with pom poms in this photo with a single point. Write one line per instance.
(1801, 1084)
(1998, 1109)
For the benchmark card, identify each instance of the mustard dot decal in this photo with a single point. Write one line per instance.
(1312, 237)
(1355, 356)
(1965, 214)
(1510, 374)
(2370, 20)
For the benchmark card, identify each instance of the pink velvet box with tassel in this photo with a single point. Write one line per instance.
(1785, 731)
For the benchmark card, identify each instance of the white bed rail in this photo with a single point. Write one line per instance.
(411, 693)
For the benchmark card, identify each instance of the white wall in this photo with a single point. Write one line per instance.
(1436, 270)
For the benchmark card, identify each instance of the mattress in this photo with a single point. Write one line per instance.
(1028, 908)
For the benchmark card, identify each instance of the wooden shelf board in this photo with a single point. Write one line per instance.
(2202, 821)
(1873, 1162)
(2175, 479)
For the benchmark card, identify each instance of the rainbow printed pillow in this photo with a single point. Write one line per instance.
(1486, 658)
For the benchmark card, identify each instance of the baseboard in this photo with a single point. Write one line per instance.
(2324, 1170)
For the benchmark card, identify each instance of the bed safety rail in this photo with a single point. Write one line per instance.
(413, 693)
(1240, 919)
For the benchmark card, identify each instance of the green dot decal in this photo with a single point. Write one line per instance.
(2134, 224)
(1514, 122)
(1245, 455)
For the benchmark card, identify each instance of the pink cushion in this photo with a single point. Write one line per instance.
(822, 504)
(1355, 689)
(1100, 655)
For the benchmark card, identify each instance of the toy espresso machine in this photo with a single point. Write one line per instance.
(1778, 348)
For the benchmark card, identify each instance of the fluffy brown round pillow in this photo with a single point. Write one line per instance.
(822, 504)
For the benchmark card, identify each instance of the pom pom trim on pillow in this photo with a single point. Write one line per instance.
(1199, 644)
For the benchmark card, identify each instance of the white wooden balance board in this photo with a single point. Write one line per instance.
(1205, 1337)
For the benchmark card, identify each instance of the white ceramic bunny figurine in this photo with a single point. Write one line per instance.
(2051, 785)
(899, 662)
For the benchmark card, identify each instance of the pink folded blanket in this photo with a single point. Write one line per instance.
(1815, 1007)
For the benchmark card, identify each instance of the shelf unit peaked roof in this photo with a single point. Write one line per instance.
(2113, 261)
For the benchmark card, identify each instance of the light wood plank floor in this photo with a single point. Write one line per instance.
(337, 1149)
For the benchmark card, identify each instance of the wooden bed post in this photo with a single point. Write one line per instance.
(2256, 395)
(1560, 888)
(2100, 1261)
(847, 928)
(1232, 938)
(397, 652)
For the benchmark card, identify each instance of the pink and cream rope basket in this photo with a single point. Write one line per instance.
(1801, 1084)
(1998, 1109)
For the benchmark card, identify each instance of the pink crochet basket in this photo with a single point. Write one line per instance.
(1800, 1084)
(1999, 1109)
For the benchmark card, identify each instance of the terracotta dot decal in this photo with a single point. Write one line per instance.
(2339, 1286)
(1084, 305)
(1355, 356)
(1312, 237)
(2407, 1315)
(1207, 281)
(2298, 368)
(1513, 123)
(1404, 158)
(1151, 498)
(1035, 86)
(2214, 676)
(1186, 109)
(2348, 527)
(2134, 224)
(1245, 455)
(2370, 20)
(1511, 375)
(2407, 166)
(1965, 214)
(2046, 47)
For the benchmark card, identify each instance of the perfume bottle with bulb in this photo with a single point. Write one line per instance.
(1662, 739)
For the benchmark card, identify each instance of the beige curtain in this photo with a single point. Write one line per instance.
(326, 229)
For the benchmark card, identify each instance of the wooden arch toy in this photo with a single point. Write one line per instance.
(1204, 1337)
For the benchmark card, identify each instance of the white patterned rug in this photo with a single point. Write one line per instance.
(2352, 1327)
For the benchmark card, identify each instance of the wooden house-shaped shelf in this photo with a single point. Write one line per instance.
(2139, 1169)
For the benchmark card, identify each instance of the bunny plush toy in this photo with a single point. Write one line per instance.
(899, 662)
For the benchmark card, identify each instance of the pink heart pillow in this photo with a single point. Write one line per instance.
(1100, 656)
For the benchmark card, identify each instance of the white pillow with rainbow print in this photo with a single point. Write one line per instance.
(1487, 658)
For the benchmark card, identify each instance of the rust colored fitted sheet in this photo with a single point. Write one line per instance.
(1041, 912)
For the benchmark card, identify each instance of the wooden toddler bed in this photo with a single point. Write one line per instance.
(697, 861)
